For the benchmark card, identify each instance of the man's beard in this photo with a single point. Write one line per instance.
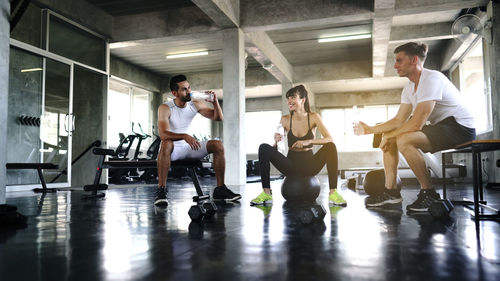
(186, 98)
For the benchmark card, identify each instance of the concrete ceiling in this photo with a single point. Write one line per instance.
(284, 33)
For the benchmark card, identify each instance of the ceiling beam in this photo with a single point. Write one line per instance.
(225, 13)
(454, 53)
(407, 7)
(263, 50)
(382, 23)
(161, 24)
(426, 32)
(265, 15)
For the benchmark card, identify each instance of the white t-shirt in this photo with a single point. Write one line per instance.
(180, 119)
(433, 85)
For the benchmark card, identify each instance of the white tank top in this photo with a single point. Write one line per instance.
(180, 118)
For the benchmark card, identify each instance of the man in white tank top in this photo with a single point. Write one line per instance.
(439, 120)
(174, 122)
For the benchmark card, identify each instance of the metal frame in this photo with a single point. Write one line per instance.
(44, 54)
(474, 147)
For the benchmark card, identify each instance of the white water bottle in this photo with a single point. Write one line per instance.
(202, 96)
(355, 115)
(281, 144)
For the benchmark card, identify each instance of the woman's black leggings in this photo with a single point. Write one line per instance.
(299, 163)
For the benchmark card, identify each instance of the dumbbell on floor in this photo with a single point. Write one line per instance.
(199, 211)
(308, 215)
(441, 208)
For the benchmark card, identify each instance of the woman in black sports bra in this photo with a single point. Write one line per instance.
(300, 125)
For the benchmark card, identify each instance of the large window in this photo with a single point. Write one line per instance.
(72, 42)
(128, 107)
(260, 128)
(475, 91)
(339, 124)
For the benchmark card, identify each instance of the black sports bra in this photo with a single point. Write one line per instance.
(292, 138)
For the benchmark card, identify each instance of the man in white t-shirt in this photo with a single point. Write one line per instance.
(177, 143)
(431, 118)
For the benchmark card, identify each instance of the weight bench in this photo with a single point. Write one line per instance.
(191, 165)
(35, 166)
(476, 147)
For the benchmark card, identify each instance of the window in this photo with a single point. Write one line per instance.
(473, 87)
(339, 124)
(28, 28)
(72, 42)
(260, 128)
(128, 107)
(118, 113)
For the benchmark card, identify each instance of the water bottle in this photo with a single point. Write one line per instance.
(355, 115)
(281, 131)
(202, 96)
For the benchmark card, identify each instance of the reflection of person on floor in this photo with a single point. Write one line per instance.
(429, 97)
(177, 143)
(301, 125)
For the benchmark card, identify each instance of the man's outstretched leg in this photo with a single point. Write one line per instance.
(163, 165)
(221, 192)
(391, 194)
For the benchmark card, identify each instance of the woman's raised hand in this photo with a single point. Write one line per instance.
(277, 137)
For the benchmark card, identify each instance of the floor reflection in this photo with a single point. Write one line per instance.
(124, 237)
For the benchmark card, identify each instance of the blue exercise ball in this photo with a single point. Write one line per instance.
(300, 188)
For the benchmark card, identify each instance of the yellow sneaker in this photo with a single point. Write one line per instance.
(262, 199)
(336, 199)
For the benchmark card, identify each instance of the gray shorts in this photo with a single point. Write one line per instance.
(447, 134)
(182, 150)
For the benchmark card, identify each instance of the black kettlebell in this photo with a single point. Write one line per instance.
(441, 208)
(374, 182)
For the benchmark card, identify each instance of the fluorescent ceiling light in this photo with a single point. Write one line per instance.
(184, 55)
(345, 38)
(118, 45)
(31, 69)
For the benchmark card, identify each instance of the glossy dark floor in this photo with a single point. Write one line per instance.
(124, 237)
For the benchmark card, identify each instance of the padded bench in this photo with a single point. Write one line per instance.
(35, 166)
(190, 164)
(476, 147)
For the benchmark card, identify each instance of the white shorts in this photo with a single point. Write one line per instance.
(182, 150)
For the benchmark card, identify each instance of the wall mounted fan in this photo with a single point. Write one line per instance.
(466, 28)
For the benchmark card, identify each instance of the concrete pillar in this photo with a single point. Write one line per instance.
(233, 68)
(4, 90)
(494, 58)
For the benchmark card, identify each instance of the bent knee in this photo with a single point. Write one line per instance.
(403, 142)
(330, 146)
(263, 148)
(166, 146)
(215, 146)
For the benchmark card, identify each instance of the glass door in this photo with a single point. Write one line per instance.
(39, 117)
(57, 121)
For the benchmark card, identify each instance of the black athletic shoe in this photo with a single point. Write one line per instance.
(161, 197)
(424, 200)
(383, 198)
(222, 193)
